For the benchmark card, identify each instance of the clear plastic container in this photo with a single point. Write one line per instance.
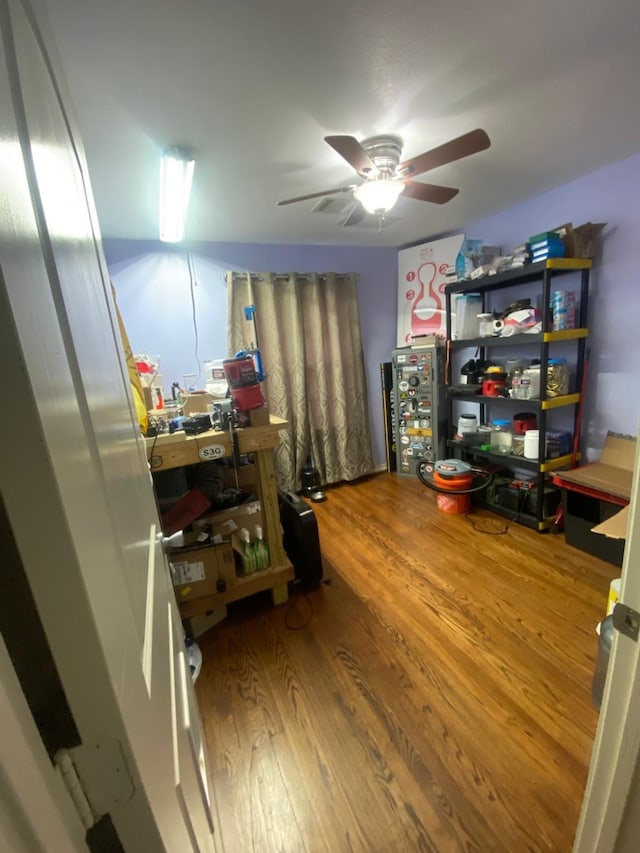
(215, 378)
(517, 447)
(532, 389)
(485, 325)
(557, 377)
(466, 308)
(501, 436)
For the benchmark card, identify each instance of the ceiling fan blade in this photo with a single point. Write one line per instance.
(318, 195)
(355, 215)
(350, 149)
(429, 192)
(455, 149)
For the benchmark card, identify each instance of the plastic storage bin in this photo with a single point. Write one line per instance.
(466, 308)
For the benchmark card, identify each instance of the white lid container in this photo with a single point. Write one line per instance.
(531, 441)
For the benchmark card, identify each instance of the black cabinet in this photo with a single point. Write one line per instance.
(536, 509)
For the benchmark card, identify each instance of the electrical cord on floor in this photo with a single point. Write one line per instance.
(293, 601)
(291, 605)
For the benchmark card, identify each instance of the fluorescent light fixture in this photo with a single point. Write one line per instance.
(176, 175)
(379, 195)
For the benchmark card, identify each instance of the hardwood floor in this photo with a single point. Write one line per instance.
(437, 700)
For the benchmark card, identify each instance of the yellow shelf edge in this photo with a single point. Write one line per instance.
(558, 462)
(558, 402)
(546, 523)
(565, 335)
(569, 263)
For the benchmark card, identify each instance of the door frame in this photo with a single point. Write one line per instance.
(36, 808)
(610, 785)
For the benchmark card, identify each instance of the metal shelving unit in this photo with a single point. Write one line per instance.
(542, 273)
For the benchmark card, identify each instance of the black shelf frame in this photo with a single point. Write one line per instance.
(545, 272)
(510, 460)
(524, 275)
(518, 340)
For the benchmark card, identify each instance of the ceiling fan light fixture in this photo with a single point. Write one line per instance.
(378, 195)
(176, 176)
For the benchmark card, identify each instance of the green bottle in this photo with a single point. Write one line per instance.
(260, 549)
(247, 554)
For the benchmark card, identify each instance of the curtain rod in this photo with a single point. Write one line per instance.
(258, 277)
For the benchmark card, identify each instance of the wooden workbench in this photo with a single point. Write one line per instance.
(173, 451)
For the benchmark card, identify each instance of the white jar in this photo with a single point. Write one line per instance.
(531, 441)
(467, 423)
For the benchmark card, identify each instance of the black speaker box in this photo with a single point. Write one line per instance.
(300, 538)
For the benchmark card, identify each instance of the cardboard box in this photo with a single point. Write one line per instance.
(227, 521)
(247, 477)
(593, 523)
(583, 516)
(196, 626)
(581, 241)
(613, 473)
(196, 571)
(197, 402)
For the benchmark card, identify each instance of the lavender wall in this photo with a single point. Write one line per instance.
(152, 286)
(608, 195)
(152, 283)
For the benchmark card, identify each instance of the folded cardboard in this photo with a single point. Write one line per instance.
(227, 521)
(613, 473)
(195, 571)
(197, 401)
(616, 526)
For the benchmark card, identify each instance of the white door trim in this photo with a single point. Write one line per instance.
(617, 742)
(34, 803)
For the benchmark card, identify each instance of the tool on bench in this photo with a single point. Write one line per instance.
(235, 450)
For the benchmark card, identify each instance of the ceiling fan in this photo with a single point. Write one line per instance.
(377, 161)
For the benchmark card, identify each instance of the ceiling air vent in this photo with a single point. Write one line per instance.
(332, 205)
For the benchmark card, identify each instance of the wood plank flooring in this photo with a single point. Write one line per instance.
(438, 698)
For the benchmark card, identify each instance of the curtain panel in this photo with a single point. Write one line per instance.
(309, 334)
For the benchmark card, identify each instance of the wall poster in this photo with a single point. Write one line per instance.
(423, 271)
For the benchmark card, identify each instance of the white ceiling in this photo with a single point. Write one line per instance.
(253, 87)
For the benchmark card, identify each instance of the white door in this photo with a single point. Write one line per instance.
(74, 476)
(609, 818)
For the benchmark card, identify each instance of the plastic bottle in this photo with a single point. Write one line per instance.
(532, 373)
(260, 549)
(247, 554)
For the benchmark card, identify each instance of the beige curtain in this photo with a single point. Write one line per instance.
(309, 334)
